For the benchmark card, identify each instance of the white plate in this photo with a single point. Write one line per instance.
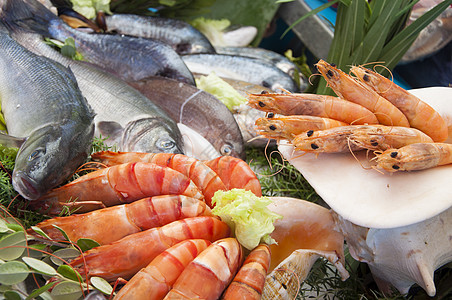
(371, 199)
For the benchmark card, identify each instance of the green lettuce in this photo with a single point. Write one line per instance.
(88, 8)
(212, 29)
(247, 215)
(221, 90)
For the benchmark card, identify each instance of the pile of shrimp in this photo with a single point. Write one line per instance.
(370, 112)
(151, 215)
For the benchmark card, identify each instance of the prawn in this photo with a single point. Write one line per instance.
(381, 137)
(125, 257)
(333, 140)
(210, 272)
(118, 184)
(419, 156)
(156, 280)
(110, 224)
(352, 90)
(313, 105)
(286, 127)
(419, 114)
(235, 173)
(249, 282)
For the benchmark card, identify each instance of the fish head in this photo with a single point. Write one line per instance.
(152, 135)
(49, 156)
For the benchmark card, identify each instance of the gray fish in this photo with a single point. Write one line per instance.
(198, 110)
(42, 104)
(123, 114)
(243, 68)
(180, 35)
(130, 58)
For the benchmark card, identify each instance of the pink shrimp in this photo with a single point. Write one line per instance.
(128, 218)
(420, 115)
(313, 105)
(352, 90)
(156, 280)
(235, 173)
(249, 282)
(201, 175)
(118, 184)
(286, 127)
(413, 157)
(210, 272)
(125, 257)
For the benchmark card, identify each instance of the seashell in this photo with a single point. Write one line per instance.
(305, 233)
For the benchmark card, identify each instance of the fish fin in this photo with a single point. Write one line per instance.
(11, 141)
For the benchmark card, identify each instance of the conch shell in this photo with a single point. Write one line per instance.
(305, 233)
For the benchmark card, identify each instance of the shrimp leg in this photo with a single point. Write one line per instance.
(128, 218)
(125, 257)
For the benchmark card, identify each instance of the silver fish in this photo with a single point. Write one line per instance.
(243, 68)
(130, 58)
(42, 104)
(123, 115)
(181, 36)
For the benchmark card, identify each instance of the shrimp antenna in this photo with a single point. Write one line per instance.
(295, 275)
(349, 141)
(312, 75)
(390, 73)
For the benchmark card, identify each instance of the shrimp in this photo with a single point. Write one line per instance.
(333, 140)
(286, 127)
(210, 272)
(156, 280)
(420, 115)
(125, 257)
(352, 90)
(250, 279)
(381, 137)
(414, 157)
(313, 105)
(113, 223)
(201, 175)
(235, 173)
(118, 184)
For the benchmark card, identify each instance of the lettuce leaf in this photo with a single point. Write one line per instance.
(212, 29)
(88, 8)
(247, 215)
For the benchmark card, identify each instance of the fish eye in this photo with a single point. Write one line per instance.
(167, 144)
(226, 150)
(34, 154)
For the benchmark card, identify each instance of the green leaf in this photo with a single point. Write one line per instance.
(40, 232)
(4, 226)
(69, 273)
(66, 290)
(102, 285)
(39, 266)
(16, 242)
(12, 295)
(13, 272)
(87, 244)
(64, 254)
(15, 227)
(62, 232)
(39, 291)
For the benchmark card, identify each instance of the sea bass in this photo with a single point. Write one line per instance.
(43, 106)
(130, 58)
(123, 115)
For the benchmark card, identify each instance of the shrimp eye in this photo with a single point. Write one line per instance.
(393, 154)
(374, 143)
(261, 104)
(310, 133)
(395, 167)
(329, 73)
(314, 146)
(272, 127)
(226, 150)
(366, 77)
(333, 65)
(264, 92)
(270, 115)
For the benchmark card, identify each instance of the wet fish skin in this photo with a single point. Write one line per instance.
(243, 68)
(41, 102)
(181, 36)
(130, 58)
(198, 110)
(129, 120)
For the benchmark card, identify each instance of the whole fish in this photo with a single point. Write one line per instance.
(180, 35)
(243, 68)
(130, 58)
(198, 110)
(46, 112)
(123, 115)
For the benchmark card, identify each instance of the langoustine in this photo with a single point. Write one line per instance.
(210, 272)
(155, 280)
(201, 175)
(115, 185)
(130, 218)
(125, 257)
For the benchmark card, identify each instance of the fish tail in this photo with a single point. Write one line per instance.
(27, 14)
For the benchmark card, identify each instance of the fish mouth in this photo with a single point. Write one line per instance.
(26, 187)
